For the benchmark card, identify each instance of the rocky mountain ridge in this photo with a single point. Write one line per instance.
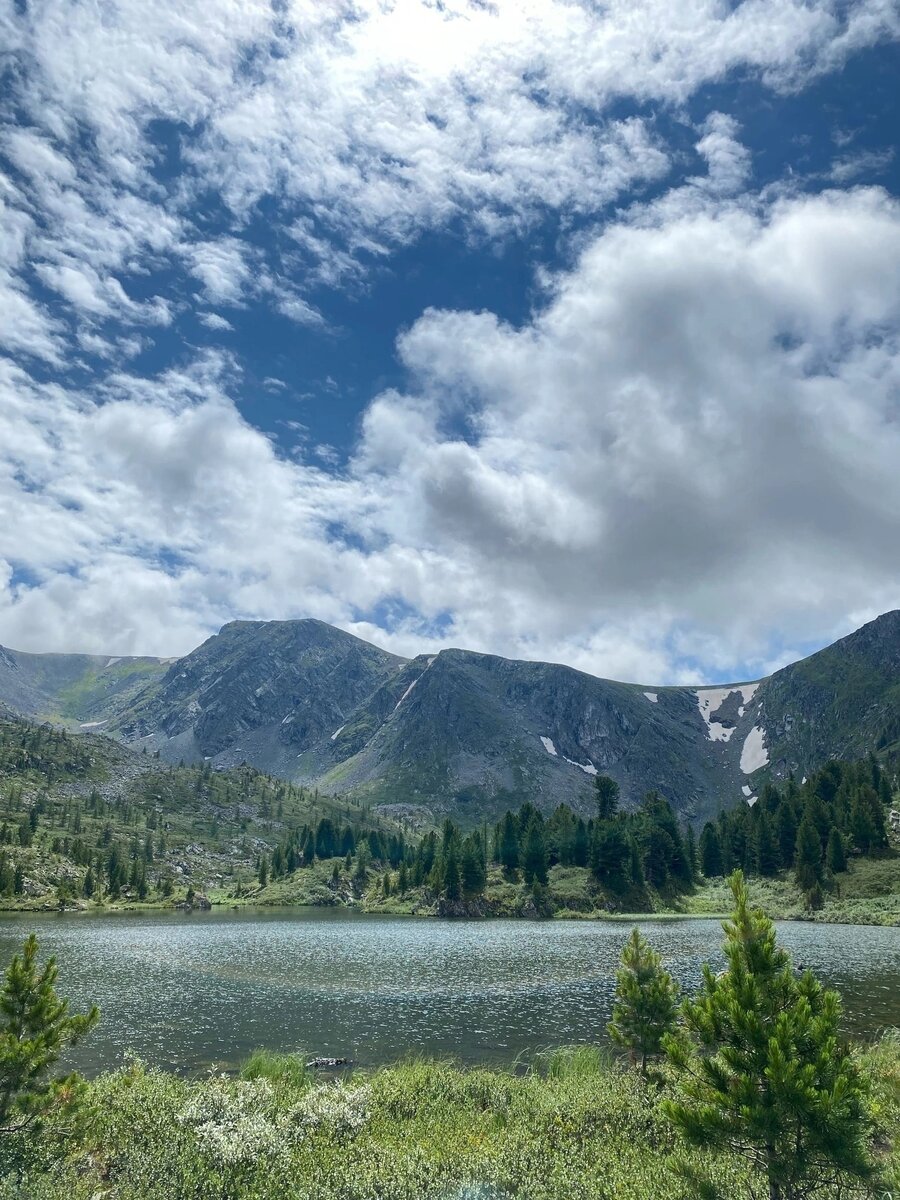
(470, 734)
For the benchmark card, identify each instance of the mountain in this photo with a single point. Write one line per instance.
(470, 734)
(85, 689)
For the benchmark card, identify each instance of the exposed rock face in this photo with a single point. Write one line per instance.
(260, 691)
(471, 734)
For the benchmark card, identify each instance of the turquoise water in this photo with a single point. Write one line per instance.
(199, 991)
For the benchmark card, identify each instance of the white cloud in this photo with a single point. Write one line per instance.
(366, 123)
(692, 445)
(214, 321)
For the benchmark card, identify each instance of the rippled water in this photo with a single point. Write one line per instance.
(200, 990)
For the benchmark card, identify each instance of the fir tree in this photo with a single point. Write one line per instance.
(646, 1001)
(762, 1073)
(35, 1029)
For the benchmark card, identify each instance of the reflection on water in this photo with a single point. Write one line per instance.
(192, 991)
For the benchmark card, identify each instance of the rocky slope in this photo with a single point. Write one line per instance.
(471, 734)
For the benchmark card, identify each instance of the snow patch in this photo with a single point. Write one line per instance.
(406, 693)
(287, 720)
(652, 697)
(91, 724)
(112, 662)
(747, 789)
(337, 731)
(588, 767)
(754, 753)
(709, 701)
(548, 746)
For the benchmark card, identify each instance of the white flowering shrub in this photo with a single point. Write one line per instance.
(332, 1108)
(232, 1121)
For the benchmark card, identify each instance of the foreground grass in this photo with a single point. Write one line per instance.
(577, 1126)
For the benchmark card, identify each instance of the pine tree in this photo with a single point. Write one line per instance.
(534, 852)
(766, 851)
(762, 1073)
(509, 843)
(711, 862)
(607, 797)
(646, 1001)
(786, 833)
(35, 1029)
(472, 871)
(835, 858)
(611, 856)
(452, 883)
(808, 856)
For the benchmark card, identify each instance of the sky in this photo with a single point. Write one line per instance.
(546, 328)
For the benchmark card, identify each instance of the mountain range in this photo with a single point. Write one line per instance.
(465, 734)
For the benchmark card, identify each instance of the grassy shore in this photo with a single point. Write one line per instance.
(576, 1126)
(868, 893)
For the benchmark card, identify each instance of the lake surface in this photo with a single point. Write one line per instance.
(201, 990)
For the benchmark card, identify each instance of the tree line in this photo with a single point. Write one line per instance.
(811, 828)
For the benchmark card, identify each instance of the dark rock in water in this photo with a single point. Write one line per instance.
(327, 1064)
(197, 901)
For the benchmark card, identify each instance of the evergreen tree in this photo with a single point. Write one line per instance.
(786, 833)
(581, 846)
(35, 1027)
(711, 862)
(808, 856)
(452, 880)
(611, 856)
(835, 858)
(646, 1001)
(509, 843)
(762, 1073)
(765, 849)
(472, 871)
(607, 797)
(534, 851)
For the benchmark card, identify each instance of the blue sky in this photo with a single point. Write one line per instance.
(540, 328)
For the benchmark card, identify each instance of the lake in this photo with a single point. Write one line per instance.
(201, 990)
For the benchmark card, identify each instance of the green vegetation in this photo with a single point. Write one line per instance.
(761, 1072)
(83, 821)
(36, 1028)
(756, 1097)
(646, 1002)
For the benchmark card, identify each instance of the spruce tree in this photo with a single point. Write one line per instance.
(646, 1001)
(35, 1027)
(761, 1071)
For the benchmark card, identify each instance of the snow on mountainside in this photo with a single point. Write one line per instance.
(470, 734)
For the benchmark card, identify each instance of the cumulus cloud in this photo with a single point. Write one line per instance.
(691, 445)
(683, 461)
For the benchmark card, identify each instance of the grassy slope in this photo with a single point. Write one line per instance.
(213, 827)
(579, 1128)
